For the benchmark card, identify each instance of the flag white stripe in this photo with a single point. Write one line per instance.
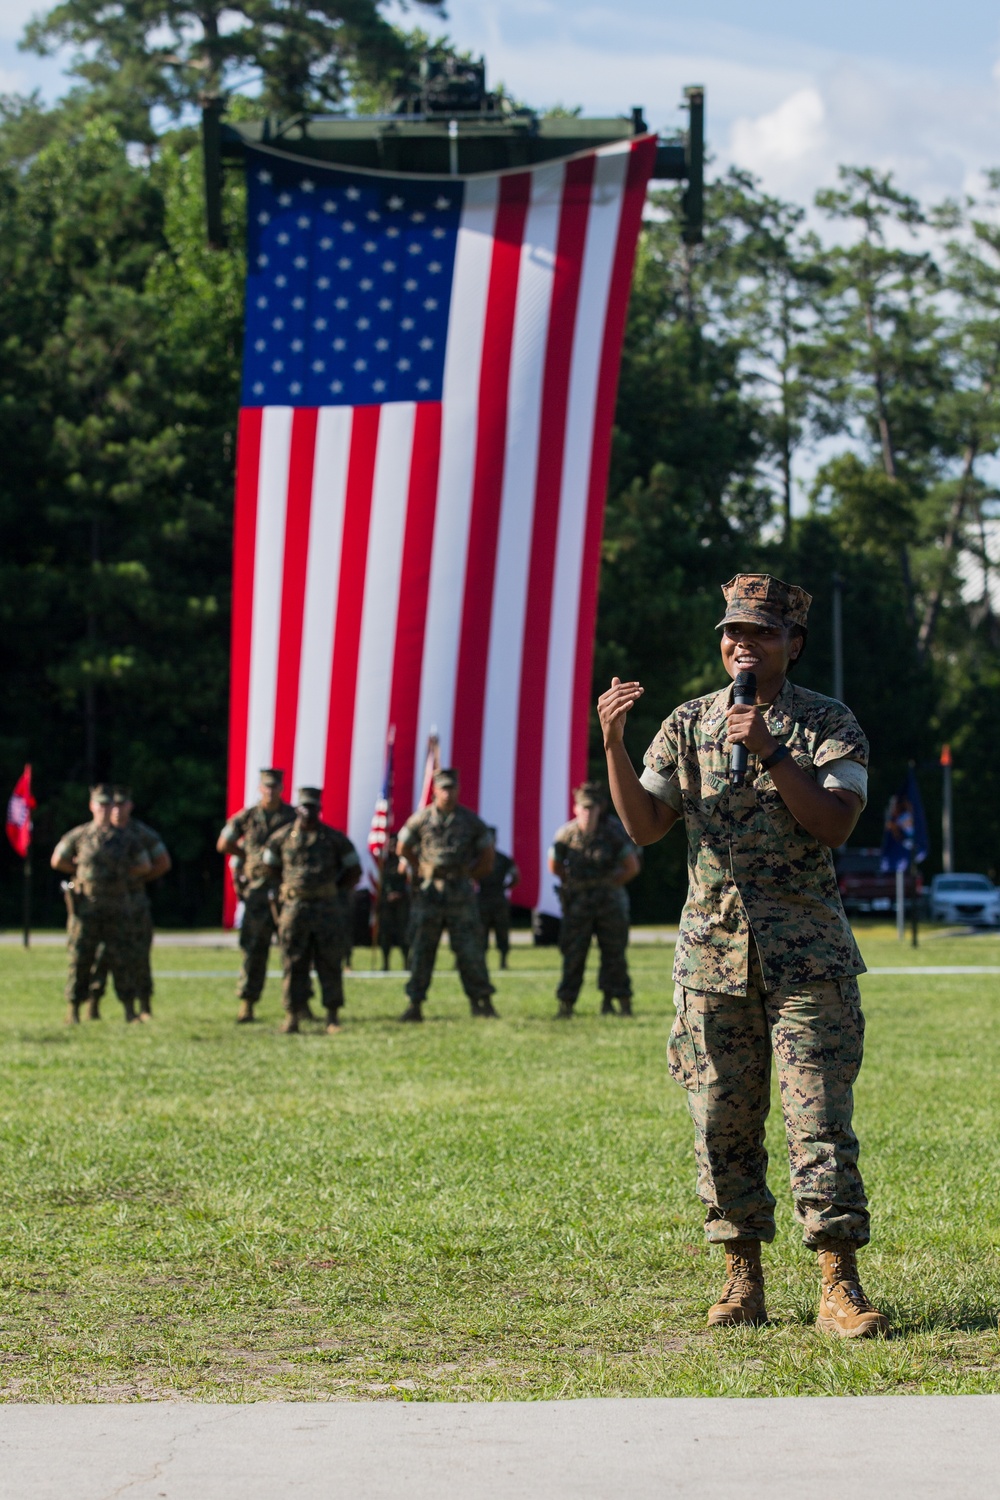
(269, 561)
(498, 765)
(326, 533)
(588, 341)
(376, 651)
(459, 428)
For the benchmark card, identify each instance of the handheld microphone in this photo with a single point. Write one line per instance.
(745, 692)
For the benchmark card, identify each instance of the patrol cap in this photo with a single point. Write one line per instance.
(759, 599)
(270, 777)
(310, 796)
(447, 777)
(102, 793)
(121, 794)
(590, 794)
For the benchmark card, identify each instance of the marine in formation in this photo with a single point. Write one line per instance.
(593, 859)
(244, 839)
(393, 908)
(138, 935)
(445, 847)
(103, 863)
(311, 864)
(766, 964)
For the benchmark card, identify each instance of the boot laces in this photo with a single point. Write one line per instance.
(741, 1281)
(844, 1278)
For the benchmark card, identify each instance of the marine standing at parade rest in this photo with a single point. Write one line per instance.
(244, 838)
(101, 860)
(314, 864)
(446, 847)
(594, 859)
(491, 899)
(766, 961)
(392, 908)
(139, 930)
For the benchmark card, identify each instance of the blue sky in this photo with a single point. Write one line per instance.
(793, 87)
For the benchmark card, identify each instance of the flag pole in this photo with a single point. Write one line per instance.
(27, 899)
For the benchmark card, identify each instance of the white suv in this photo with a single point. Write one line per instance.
(965, 898)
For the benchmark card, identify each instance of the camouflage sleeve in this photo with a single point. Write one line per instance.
(409, 833)
(152, 842)
(659, 775)
(483, 839)
(67, 845)
(272, 850)
(234, 828)
(846, 774)
(842, 739)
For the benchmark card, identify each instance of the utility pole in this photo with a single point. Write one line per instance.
(947, 831)
(838, 637)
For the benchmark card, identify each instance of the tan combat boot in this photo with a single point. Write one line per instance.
(290, 1024)
(72, 1015)
(742, 1300)
(244, 1016)
(843, 1307)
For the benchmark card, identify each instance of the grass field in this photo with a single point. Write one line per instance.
(463, 1210)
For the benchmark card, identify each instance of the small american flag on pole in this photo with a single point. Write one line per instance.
(378, 833)
(430, 369)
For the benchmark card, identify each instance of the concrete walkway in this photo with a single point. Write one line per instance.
(820, 1448)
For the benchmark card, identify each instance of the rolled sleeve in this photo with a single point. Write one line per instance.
(848, 775)
(663, 788)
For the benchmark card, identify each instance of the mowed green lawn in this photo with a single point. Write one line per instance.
(463, 1210)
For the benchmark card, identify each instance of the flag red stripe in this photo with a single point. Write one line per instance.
(487, 483)
(640, 165)
(301, 459)
(411, 618)
(347, 627)
(545, 529)
(244, 547)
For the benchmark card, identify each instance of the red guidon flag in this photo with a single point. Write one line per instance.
(19, 810)
(429, 379)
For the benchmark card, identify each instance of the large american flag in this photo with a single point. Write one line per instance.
(429, 384)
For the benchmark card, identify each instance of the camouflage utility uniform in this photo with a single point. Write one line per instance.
(394, 911)
(444, 847)
(494, 908)
(311, 862)
(138, 930)
(593, 905)
(766, 961)
(102, 909)
(252, 828)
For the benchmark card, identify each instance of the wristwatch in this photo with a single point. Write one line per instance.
(774, 757)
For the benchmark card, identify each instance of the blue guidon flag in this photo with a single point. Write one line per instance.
(429, 380)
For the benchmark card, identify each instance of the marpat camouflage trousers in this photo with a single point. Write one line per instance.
(312, 935)
(256, 933)
(494, 915)
(433, 911)
(136, 944)
(720, 1051)
(93, 927)
(601, 912)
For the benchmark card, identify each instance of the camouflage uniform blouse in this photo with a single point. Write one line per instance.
(444, 846)
(752, 869)
(311, 860)
(155, 848)
(591, 860)
(103, 857)
(254, 827)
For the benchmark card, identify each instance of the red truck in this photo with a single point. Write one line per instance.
(865, 887)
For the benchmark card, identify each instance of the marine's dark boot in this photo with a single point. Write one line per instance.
(488, 1009)
(607, 1006)
(742, 1299)
(413, 1011)
(565, 1011)
(290, 1025)
(244, 1016)
(503, 960)
(843, 1307)
(128, 1006)
(94, 1008)
(332, 1024)
(624, 1005)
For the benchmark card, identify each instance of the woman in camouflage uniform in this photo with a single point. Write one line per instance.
(766, 962)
